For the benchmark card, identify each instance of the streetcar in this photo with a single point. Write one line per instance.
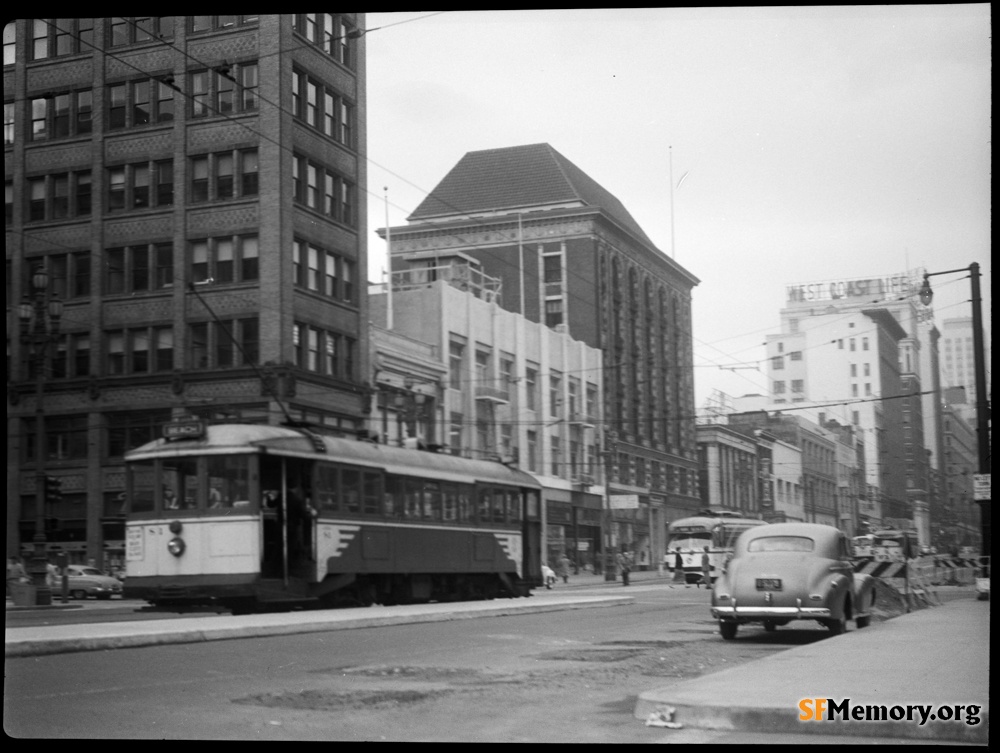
(256, 517)
(715, 529)
(894, 545)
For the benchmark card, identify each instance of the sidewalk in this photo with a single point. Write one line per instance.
(937, 656)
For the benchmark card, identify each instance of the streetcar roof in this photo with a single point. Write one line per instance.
(229, 439)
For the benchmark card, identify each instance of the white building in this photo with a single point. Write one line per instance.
(513, 390)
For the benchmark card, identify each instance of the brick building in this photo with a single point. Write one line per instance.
(193, 188)
(570, 255)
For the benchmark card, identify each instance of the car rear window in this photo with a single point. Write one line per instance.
(782, 544)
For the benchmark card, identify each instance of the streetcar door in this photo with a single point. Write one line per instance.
(286, 488)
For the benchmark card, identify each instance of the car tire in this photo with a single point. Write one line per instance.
(79, 595)
(104, 597)
(837, 626)
(770, 626)
(727, 630)
(863, 622)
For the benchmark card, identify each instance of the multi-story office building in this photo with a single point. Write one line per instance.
(193, 188)
(511, 389)
(960, 522)
(958, 362)
(569, 254)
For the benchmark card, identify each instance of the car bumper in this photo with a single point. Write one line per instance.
(798, 612)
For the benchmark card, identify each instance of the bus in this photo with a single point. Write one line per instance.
(715, 529)
(252, 516)
(895, 545)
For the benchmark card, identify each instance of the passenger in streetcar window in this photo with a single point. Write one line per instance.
(215, 498)
(169, 499)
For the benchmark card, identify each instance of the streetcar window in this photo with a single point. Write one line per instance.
(485, 505)
(180, 484)
(326, 491)
(350, 486)
(391, 493)
(449, 502)
(142, 482)
(372, 492)
(432, 500)
(465, 510)
(534, 507)
(412, 503)
(499, 500)
(228, 481)
(513, 506)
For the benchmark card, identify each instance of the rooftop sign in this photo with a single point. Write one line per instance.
(871, 288)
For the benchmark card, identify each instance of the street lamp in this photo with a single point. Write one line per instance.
(39, 316)
(982, 410)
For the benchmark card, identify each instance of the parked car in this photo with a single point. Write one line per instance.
(87, 581)
(792, 571)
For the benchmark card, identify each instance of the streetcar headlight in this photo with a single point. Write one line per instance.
(176, 546)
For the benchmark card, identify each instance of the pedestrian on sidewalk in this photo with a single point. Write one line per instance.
(679, 576)
(549, 575)
(625, 565)
(706, 569)
(563, 566)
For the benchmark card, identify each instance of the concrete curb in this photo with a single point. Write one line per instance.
(106, 636)
(935, 657)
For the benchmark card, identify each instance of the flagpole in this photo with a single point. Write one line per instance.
(388, 255)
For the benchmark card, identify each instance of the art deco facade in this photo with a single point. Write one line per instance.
(194, 188)
(570, 256)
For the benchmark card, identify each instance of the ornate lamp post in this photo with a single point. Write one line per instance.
(39, 316)
(982, 408)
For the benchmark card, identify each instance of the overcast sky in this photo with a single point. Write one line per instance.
(808, 144)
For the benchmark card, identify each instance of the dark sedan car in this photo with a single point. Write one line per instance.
(792, 571)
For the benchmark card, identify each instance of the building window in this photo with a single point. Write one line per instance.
(323, 190)
(58, 196)
(333, 33)
(323, 271)
(139, 350)
(854, 370)
(531, 388)
(553, 312)
(219, 23)
(795, 355)
(778, 363)
(864, 343)
(798, 385)
(456, 355)
(56, 116)
(136, 30)
(142, 102)
(69, 275)
(65, 438)
(139, 269)
(779, 388)
(9, 43)
(224, 90)
(555, 394)
(324, 352)
(128, 430)
(224, 344)
(8, 123)
(225, 259)
(322, 108)
(224, 175)
(57, 37)
(132, 186)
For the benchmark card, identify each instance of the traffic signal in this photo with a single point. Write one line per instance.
(53, 489)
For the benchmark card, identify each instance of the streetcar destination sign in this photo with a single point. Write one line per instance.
(184, 430)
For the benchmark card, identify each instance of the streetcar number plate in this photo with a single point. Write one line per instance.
(768, 584)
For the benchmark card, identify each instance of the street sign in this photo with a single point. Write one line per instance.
(981, 484)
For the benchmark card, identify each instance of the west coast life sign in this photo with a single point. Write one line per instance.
(869, 288)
